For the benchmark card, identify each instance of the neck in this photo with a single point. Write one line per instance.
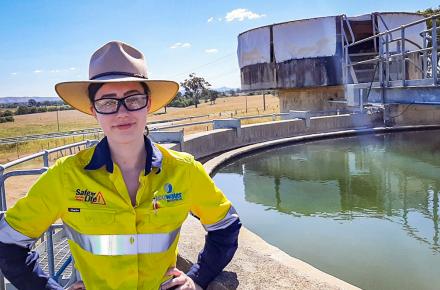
(129, 156)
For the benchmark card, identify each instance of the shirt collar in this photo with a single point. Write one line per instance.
(101, 156)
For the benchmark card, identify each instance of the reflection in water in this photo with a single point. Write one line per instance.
(394, 178)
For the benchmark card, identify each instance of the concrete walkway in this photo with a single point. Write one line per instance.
(256, 264)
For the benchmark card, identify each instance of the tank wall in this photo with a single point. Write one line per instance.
(414, 114)
(312, 99)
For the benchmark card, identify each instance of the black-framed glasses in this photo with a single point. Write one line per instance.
(112, 105)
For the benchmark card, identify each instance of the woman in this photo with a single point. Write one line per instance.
(123, 201)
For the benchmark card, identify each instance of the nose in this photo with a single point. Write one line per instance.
(122, 110)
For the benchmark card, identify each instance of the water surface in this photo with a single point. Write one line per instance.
(364, 209)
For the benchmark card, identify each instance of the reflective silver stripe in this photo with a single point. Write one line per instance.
(230, 217)
(9, 235)
(112, 245)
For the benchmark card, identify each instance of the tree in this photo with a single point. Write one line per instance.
(213, 95)
(181, 101)
(22, 110)
(7, 113)
(194, 87)
(430, 12)
(32, 103)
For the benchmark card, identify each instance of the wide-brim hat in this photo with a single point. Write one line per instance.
(116, 62)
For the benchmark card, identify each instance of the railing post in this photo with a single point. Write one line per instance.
(434, 51)
(50, 254)
(46, 158)
(344, 63)
(387, 55)
(381, 61)
(346, 66)
(425, 58)
(2, 189)
(3, 208)
(402, 36)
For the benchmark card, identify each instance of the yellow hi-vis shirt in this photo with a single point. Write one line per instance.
(115, 245)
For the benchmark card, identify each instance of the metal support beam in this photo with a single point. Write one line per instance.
(407, 95)
(403, 57)
(434, 60)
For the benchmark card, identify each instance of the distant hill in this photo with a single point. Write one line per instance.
(224, 89)
(6, 100)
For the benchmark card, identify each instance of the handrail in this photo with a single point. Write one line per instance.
(394, 29)
(406, 39)
(86, 131)
(210, 121)
(376, 59)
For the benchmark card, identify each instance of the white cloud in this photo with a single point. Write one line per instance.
(180, 45)
(220, 19)
(241, 14)
(210, 19)
(37, 71)
(64, 70)
(176, 45)
(13, 73)
(211, 50)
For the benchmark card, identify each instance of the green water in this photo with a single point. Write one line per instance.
(364, 209)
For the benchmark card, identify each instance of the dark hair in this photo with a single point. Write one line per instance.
(94, 88)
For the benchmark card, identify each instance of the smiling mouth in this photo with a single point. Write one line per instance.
(124, 126)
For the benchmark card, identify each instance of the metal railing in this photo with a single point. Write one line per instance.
(6, 171)
(83, 132)
(428, 53)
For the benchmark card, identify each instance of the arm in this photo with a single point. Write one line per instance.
(19, 264)
(21, 227)
(221, 222)
(220, 247)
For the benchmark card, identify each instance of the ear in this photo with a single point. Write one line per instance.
(92, 109)
(149, 104)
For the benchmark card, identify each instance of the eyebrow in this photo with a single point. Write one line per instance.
(131, 92)
(114, 95)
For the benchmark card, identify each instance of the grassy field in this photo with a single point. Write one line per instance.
(72, 119)
(40, 123)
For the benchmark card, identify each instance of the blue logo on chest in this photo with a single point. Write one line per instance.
(170, 196)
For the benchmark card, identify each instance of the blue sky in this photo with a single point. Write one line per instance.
(45, 42)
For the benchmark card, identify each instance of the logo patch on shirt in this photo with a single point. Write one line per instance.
(89, 196)
(170, 196)
(168, 188)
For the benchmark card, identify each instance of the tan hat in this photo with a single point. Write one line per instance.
(116, 62)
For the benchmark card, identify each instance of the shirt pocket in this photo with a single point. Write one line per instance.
(169, 218)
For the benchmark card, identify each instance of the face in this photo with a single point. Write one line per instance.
(122, 127)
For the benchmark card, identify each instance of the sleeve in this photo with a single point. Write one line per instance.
(33, 214)
(20, 228)
(220, 220)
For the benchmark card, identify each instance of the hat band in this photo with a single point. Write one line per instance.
(118, 73)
